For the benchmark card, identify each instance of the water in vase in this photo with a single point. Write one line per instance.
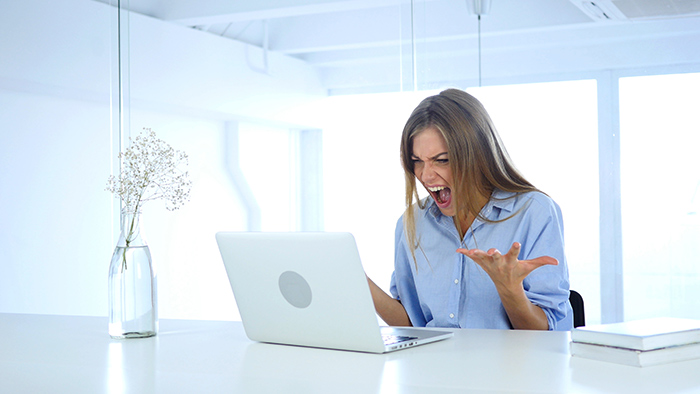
(132, 293)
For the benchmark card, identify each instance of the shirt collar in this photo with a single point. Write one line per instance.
(431, 208)
(503, 201)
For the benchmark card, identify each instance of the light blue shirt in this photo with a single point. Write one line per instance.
(448, 289)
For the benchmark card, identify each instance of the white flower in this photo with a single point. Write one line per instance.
(150, 172)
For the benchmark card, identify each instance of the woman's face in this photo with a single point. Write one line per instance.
(432, 168)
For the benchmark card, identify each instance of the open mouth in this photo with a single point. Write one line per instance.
(441, 194)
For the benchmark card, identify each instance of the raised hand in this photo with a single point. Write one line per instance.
(506, 271)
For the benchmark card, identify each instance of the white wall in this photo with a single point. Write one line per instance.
(57, 232)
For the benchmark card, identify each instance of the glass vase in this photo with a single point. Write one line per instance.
(133, 304)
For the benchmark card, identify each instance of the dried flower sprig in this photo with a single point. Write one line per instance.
(150, 171)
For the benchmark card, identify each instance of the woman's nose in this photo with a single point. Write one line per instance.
(427, 173)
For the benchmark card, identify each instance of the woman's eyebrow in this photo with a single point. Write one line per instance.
(430, 158)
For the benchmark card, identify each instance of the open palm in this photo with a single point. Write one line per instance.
(505, 269)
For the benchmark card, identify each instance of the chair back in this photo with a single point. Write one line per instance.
(577, 305)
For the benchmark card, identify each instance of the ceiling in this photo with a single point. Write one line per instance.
(380, 45)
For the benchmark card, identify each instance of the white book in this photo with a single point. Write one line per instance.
(633, 357)
(647, 334)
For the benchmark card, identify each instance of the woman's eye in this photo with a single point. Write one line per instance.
(442, 161)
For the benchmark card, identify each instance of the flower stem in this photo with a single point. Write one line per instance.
(130, 231)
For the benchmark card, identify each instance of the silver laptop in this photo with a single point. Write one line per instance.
(309, 289)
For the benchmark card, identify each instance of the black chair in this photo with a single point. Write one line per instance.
(577, 305)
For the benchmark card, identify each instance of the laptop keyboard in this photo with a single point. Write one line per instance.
(392, 339)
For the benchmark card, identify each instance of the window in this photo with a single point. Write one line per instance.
(551, 133)
(233, 166)
(362, 175)
(268, 162)
(660, 182)
(550, 130)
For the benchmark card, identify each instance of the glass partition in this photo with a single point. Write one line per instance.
(55, 156)
(241, 109)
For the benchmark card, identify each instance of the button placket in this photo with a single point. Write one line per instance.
(455, 292)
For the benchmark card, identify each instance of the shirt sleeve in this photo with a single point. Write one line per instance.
(547, 286)
(403, 286)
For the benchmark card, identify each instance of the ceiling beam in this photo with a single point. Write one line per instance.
(207, 12)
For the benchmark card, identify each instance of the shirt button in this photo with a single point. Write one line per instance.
(452, 315)
(456, 281)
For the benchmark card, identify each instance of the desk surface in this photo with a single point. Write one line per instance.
(40, 353)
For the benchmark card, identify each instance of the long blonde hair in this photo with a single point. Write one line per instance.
(478, 160)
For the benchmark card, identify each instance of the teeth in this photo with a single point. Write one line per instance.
(436, 189)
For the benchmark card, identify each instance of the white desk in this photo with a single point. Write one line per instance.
(64, 354)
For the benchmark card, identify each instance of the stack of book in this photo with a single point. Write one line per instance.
(639, 343)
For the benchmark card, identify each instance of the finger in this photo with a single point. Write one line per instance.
(472, 253)
(544, 260)
(494, 252)
(514, 251)
(476, 255)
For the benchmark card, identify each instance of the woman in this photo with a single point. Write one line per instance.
(449, 271)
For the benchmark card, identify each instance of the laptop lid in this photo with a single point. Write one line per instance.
(304, 288)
